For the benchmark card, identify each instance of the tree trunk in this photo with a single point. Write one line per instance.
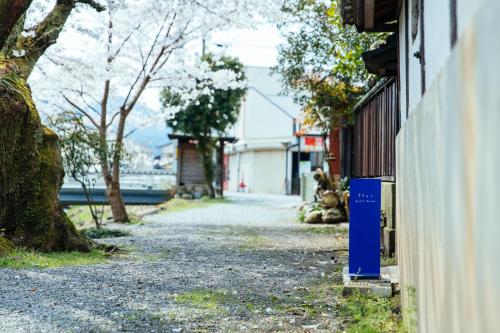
(116, 202)
(205, 147)
(31, 174)
(111, 173)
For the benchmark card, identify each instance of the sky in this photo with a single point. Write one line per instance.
(254, 47)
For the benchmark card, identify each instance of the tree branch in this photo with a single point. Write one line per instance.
(82, 111)
(10, 13)
(45, 34)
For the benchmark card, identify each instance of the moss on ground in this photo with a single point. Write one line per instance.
(22, 258)
(213, 300)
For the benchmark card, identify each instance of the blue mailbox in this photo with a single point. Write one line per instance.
(364, 228)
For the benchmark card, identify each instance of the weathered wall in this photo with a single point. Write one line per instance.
(448, 162)
(389, 217)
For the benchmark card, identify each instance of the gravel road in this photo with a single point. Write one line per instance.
(240, 266)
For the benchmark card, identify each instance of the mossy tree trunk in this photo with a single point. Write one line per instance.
(206, 149)
(31, 170)
(31, 175)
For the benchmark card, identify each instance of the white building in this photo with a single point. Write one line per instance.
(447, 158)
(265, 133)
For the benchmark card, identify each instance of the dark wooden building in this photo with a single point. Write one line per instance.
(190, 172)
(369, 147)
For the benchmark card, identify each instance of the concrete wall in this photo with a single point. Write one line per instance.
(307, 187)
(448, 163)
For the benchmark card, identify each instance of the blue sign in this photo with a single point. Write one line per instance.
(364, 228)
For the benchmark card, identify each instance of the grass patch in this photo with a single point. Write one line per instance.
(371, 314)
(81, 217)
(213, 300)
(214, 201)
(177, 205)
(329, 230)
(20, 258)
(388, 261)
(253, 242)
(95, 233)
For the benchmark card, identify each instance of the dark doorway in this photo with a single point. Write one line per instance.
(304, 157)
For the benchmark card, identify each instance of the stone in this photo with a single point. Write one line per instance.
(332, 215)
(330, 199)
(187, 196)
(378, 287)
(313, 217)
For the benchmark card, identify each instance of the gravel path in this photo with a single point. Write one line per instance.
(245, 265)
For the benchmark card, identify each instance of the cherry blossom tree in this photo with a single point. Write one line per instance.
(31, 169)
(107, 63)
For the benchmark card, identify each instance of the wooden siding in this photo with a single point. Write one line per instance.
(376, 126)
(191, 169)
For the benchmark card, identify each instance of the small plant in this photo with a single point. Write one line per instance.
(367, 314)
(96, 233)
(344, 184)
(388, 261)
(301, 217)
(5, 246)
(80, 147)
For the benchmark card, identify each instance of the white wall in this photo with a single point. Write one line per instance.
(437, 40)
(448, 158)
(265, 112)
(265, 123)
(240, 169)
(263, 171)
(269, 172)
(437, 37)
